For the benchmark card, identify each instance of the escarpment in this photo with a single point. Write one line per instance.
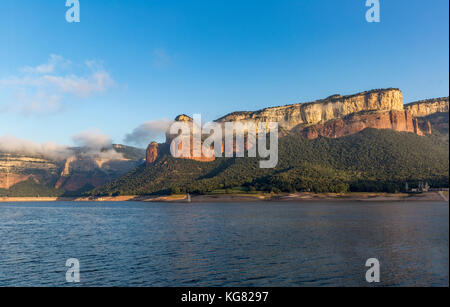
(37, 174)
(354, 123)
(333, 107)
(338, 116)
(428, 107)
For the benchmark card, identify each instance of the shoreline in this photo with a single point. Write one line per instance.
(232, 198)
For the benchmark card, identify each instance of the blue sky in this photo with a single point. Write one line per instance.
(130, 62)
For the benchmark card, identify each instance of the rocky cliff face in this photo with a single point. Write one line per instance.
(152, 153)
(71, 174)
(338, 116)
(427, 107)
(395, 120)
(319, 111)
(15, 169)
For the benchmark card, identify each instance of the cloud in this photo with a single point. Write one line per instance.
(92, 144)
(45, 88)
(49, 67)
(149, 131)
(50, 150)
(92, 139)
(96, 145)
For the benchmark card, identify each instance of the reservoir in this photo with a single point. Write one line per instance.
(224, 244)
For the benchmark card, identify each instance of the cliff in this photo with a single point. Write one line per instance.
(338, 116)
(354, 123)
(80, 171)
(151, 153)
(333, 107)
(428, 107)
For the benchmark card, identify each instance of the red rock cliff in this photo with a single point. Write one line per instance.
(395, 120)
(152, 153)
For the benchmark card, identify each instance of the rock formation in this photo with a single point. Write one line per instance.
(427, 107)
(395, 120)
(333, 107)
(338, 116)
(152, 153)
(70, 174)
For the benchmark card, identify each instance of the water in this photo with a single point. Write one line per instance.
(248, 244)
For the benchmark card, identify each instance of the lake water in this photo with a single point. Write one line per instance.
(238, 244)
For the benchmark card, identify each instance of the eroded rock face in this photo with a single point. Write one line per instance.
(427, 107)
(395, 120)
(8, 180)
(333, 107)
(335, 116)
(152, 153)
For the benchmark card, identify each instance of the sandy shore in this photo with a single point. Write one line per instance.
(295, 197)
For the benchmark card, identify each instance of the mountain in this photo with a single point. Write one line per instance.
(428, 107)
(369, 141)
(371, 160)
(28, 174)
(310, 113)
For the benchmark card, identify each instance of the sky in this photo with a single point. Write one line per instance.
(131, 66)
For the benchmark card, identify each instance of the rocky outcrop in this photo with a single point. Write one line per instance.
(437, 123)
(7, 180)
(335, 116)
(319, 111)
(152, 153)
(395, 120)
(428, 107)
(75, 172)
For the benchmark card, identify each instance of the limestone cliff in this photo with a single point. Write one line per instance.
(70, 174)
(333, 107)
(338, 116)
(354, 123)
(428, 107)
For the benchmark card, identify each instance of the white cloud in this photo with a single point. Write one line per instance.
(45, 88)
(49, 67)
(93, 139)
(94, 144)
(147, 132)
(50, 150)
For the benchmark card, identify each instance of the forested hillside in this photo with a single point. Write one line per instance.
(372, 160)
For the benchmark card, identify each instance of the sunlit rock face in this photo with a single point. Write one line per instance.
(333, 107)
(394, 120)
(152, 153)
(70, 174)
(427, 107)
(337, 116)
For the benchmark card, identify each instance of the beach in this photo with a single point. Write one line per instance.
(257, 197)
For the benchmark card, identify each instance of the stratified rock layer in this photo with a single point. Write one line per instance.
(333, 107)
(395, 120)
(338, 116)
(427, 107)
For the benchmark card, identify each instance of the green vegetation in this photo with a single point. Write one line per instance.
(370, 161)
(31, 188)
(130, 152)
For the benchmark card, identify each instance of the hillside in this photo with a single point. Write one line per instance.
(25, 174)
(371, 160)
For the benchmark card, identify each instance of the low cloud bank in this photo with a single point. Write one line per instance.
(93, 145)
(51, 150)
(148, 132)
(96, 145)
